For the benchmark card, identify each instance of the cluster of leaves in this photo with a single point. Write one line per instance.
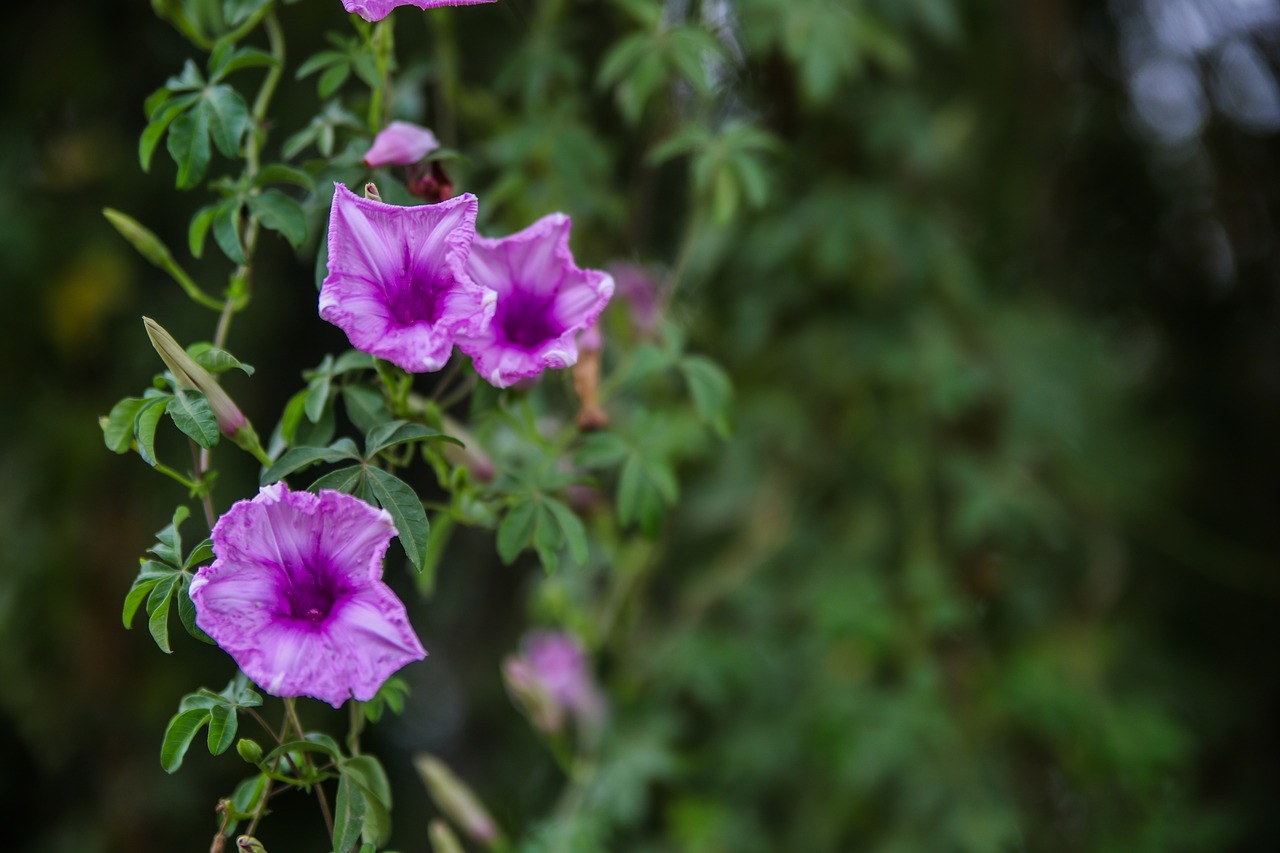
(166, 579)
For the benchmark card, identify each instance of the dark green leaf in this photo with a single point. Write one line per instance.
(317, 396)
(313, 743)
(277, 211)
(145, 427)
(200, 224)
(298, 458)
(245, 57)
(192, 414)
(189, 146)
(602, 450)
(168, 545)
(158, 611)
(228, 118)
(364, 407)
(314, 63)
(226, 230)
(575, 534)
(348, 815)
(548, 539)
(392, 433)
(182, 729)
(117, 429)
(516, 530)
(187, 614)
(710, 388)
(352, 360)
(223, 723)
(217, 360)
(278, 173)
(332, 79)
(368, 773)
(346, 480)
(159, 123)
(399, 499)
(142, 586)
(202, 553)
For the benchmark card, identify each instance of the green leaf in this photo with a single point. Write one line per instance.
(317, 395)
(168, 545)
(245, 57)
(158, 611)
(189, 146)
(117, 428)
(602, 450)
(199, 554)
(332, 79)
(187, 613)
(314, 63)
(392, 433)
(348, 815)
(711, 390)
(297, 458)
(217, 360)
(346, 480)
(364, 407)
(226, 230)
(575, 534)
(145, 427)
(223, 723)
(193, 415)
(280, 213)
(548, 538)
(368, 773)
(182, 729)
(151, 574)
(200, 224)
(159, 123)
(399, 499)
(352, 360)
(228, 118)
(516, 530)
(313, 743)
(279, 173)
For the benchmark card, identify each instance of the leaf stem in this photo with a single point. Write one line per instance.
(291, 713)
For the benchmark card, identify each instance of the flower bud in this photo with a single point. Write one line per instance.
(400, 144)
(470, 456)
(189, 374)
(458, 802)
(586, 380)
(250, 750)
(371, 192)
(142, 239)
(532, 696)
(442, 838)
(249, 844)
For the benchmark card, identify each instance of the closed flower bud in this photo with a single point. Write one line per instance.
(249, 750)
(189, 374)
(458, 802)
(442, 838)
(401, 143)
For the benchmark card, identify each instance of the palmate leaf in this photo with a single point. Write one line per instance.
(282, 214)
(179, 734)
(298, 458)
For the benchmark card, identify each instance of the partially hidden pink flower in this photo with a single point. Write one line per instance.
(551, 678)
(398, 283)
(400, 144)
(376, 10)
(544, 301)
(295, 595)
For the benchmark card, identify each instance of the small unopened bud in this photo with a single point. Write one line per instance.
(189, 374)
(532, 696)
(371, 192)
(586, 380)
(400, 144)
(142, 239)
(250, 750)
(442, 838)
(249, 844)
(458, 802)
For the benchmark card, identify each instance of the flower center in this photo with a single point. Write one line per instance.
(526, 319)
(310, 598)
(418, 294)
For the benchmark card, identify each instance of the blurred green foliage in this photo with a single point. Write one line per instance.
(986, 561)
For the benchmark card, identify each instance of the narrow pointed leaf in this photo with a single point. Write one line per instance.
(182, 729)
(399, 499)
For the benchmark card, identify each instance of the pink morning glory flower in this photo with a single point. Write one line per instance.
(400, 144)
(544, 301)
(398, 283)
(376, 10)
(551, 678)
(295, 595)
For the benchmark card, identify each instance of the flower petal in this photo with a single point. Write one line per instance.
(376, 10)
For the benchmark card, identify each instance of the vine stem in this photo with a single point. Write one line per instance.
(291, 713)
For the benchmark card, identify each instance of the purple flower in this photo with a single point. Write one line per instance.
(398, 283)
(544, 300)
(376, 10)
(400, 144)
(552, 677)
(641, 287)
(296, 596)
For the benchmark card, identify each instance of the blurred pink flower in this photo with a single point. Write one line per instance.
(376, 10)
(551, 678)
(400, 144)
(295, 595)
